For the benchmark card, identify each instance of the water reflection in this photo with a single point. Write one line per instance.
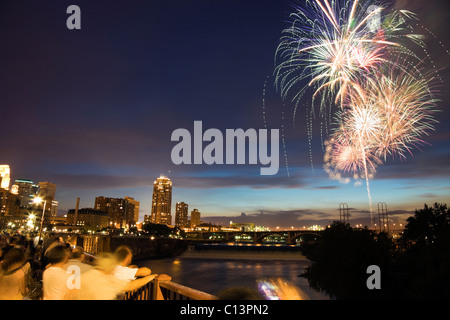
(213, 275)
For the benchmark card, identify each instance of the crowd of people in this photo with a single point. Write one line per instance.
(52, 269)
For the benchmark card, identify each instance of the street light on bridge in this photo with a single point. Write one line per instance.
(39, 200)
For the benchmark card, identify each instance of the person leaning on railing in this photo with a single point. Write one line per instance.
(77, 259)
(100, 283)
(124, 270)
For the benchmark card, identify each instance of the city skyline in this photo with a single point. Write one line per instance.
(92, 111)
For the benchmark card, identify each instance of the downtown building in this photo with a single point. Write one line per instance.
(195, 218)
(47, 192)
(16, 202)
(181, 215)
(27, 191)
(161, 201)
(120, 212)
(87, 219)
(136, 208)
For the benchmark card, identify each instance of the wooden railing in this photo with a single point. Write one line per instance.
(161, 289)
(166, 290)
(174, 291)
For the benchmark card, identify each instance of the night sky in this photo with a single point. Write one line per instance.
(93, 110)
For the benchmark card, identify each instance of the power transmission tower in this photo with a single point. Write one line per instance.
(343, 213)
(383, 217)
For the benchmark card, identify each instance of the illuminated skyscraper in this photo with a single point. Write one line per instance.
(195, 218)
(24, 191)
(181, 215)
(4, 176)
(120, 211)
(54, 208)
(136, 208)
(162, 201)
(4, 186)
(47, 190)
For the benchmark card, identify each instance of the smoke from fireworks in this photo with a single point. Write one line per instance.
(388, 120)
(357, 58)
(332, 48)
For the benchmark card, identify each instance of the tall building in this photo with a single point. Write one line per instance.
(47, 190)
(181, 215)
(54, 208)
(34, 190)
(4, 186)
(10, 203)
(4, 176)
(195, 218)
(25, 191)
(136, 208)
(120, 211)
(162, 201)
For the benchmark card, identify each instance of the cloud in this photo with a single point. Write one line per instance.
(283, 219)
(401, 212)
(94, 182)
(327, 187)
(194, 180)
(236, 181)
(429, 195)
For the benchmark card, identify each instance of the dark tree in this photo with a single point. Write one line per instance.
(418, 269)
(340, 260)
(428, 226)
(157, 230)
(426, 258)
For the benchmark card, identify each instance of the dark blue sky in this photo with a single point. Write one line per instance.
(92, 110)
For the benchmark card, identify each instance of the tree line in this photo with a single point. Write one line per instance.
(414, 266)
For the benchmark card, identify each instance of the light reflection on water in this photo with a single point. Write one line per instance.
(213, 275)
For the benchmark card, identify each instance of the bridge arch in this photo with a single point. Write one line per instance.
(305, 236)
(240, 236)
(259, 238)
(215, 236)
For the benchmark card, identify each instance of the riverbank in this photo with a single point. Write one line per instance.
(243, 251)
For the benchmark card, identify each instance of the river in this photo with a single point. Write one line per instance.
(212, 269)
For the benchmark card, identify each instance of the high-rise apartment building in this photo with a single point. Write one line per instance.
(181, 215)
(25, 191)
(136, 208)
(47, 190)
(17, 203)
(162, 201)
(10, 205)
(5, 173)
(195, 218)
(120, 211)
(4, 186)
(54, 208)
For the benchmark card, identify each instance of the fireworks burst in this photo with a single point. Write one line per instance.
(388, 120)
(356, 57)
(333, 48)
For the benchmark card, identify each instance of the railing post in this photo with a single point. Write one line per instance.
(155, 289)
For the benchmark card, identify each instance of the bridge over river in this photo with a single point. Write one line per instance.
(290, 237)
